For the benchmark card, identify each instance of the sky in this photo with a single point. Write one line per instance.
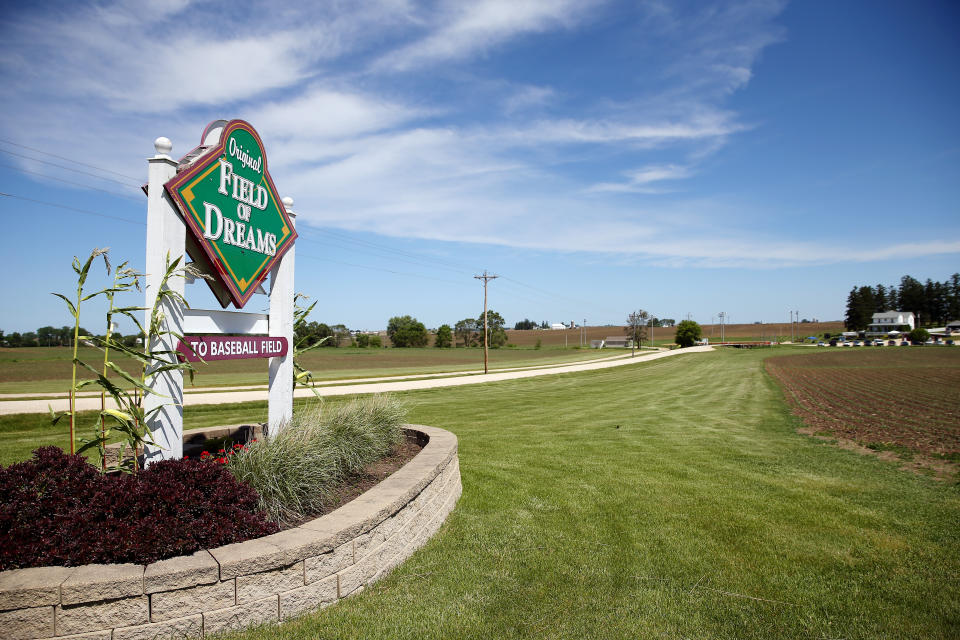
(687, 158)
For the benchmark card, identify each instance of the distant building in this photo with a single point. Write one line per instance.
(597, 344)
(558, 326)
(892, 321)
(618, 341)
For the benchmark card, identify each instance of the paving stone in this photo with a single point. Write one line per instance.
(181, 572)
(308, 598)
(81, 618)
(319, 567)
(178, 629)
(241, 616)
(96, 582)
(33, 587)
(180, 603)
(269, 583)
(25, 624)
(252, 556)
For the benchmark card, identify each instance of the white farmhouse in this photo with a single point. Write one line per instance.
(892, 321)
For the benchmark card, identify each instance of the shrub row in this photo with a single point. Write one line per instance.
(56, 509)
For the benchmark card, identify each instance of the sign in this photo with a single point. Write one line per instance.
(233, 210)
(195, 348)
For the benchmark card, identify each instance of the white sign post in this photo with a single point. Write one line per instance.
(167, 236)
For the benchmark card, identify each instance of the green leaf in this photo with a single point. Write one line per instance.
(119, 416)
(73, 310)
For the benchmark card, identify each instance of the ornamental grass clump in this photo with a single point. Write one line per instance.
(296, 471)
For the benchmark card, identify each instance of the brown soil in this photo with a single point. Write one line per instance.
(375, 473)
(896, 403)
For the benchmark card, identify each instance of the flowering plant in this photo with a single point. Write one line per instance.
(223, 456)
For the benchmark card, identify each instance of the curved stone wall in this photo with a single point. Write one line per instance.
(268, 579)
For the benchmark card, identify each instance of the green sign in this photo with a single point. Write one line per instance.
(231, 205)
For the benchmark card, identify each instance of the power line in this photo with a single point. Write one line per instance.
(70, 182)
(60, 166)
(63, 206)
(53, 155)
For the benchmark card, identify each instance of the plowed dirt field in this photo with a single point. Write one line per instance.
(898, 399)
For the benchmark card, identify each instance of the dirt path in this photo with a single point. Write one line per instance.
(341, 388)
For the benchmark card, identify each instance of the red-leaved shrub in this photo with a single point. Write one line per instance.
(56, 509)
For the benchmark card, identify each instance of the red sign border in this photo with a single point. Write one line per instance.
(239, 299)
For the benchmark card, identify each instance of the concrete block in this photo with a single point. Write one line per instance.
(93, 635)
(33, 587)
(96, 582)
(308, 598)
(168, 605)
(179, 629)
(241, 616)
(181, 572)
(269, 583)
(252, 556)
(81, 618)
(357, 575)
(319, 567)
(25, 624)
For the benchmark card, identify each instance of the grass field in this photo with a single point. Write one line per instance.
(47, 369)
(672, 499)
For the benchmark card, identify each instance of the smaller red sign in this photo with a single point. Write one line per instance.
(207, 348)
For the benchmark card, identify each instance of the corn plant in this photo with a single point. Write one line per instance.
(82, 271)
(301, 375)
(129, 417)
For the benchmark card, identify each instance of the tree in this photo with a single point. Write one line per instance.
(340, 334)
(14, 339)
(29, 339)
(688, 332)
(48, 336)
(911, 295)
(880, 299)
(466, 331)
(525, 325)
(919, 335)
(308, 334)
(406, 331)
(444, 337)
(636, 328)
(495, 324)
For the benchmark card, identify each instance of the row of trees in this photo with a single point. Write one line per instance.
(933, 303)
(407, 331)
(54, 337)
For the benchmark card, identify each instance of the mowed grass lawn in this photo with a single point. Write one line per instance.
(47, 369)
(672, 499)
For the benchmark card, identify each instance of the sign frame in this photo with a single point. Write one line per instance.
(204, 164)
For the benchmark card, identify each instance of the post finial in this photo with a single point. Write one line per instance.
(287, 202)
(163, 146)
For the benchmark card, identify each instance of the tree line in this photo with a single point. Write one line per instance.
(932, 303)
(57, 337)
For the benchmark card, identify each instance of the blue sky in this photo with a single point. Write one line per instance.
(752, 158)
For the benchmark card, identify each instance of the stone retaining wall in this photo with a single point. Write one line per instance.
(268, 579)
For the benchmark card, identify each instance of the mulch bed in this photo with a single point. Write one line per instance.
(902, 401)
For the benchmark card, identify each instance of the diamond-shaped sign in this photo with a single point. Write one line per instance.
(231, 205)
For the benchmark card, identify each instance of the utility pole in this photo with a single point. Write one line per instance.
(486, 336)
(722, 315)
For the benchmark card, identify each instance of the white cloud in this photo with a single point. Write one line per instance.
(469, 28)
